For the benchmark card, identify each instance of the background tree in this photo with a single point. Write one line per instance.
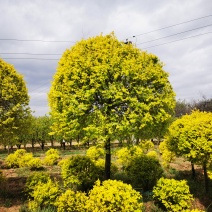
(190, 136)
(104, 89)
(41, 129)
(25, 131)
(204, 104)
(182, 108)
(14, 102)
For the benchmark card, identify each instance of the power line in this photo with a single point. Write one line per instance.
(19, 53)
(148, 47)
(175, 34)
(169, 26)
(27, 58)
(57, 54)
(40, 86)
(44, 41)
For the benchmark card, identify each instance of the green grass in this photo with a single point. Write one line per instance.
(23, 172)
(3, 155)
(72, 152)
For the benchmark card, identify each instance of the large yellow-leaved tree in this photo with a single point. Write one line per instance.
(105, 90)
(14, 101)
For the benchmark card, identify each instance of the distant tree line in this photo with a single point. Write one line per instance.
(184, 107)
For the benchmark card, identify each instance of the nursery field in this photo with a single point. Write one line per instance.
(13, 197)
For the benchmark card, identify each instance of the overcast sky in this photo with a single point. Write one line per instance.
(186, 48)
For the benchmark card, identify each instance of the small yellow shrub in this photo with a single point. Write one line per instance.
(20, 158)
(114, 196)
(153, 154)
(71, 201)
(173, 194)
(34, 179)
(51, 158)
(44, 194)
(146, 145)
(126, 154)
(35, 164)
(95, 152)
(25, 160)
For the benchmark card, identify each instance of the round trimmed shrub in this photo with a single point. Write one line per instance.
(80, 173)
(71, 201)
(24, 160)
(114, 195)
(174, 195)
(15, 160)
(35, 164)
(51, 158)
(144, 172)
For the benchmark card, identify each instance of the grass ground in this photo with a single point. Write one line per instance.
(12, 196)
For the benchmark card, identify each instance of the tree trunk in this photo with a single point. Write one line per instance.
(70, 143)
(64, 145)
(193, 171)
(42, 145)
(137, 141)
(52, 143)
(206, 178)
(78, 141)
(107, 159)
(33, 145)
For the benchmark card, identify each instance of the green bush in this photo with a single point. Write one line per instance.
(114, 196)
(144, 171)
(51, 158)
(121, 176)
(34, 179)
(80, 173)
(44, 195)
(71, 201)
(95, 153)
(174, 195)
